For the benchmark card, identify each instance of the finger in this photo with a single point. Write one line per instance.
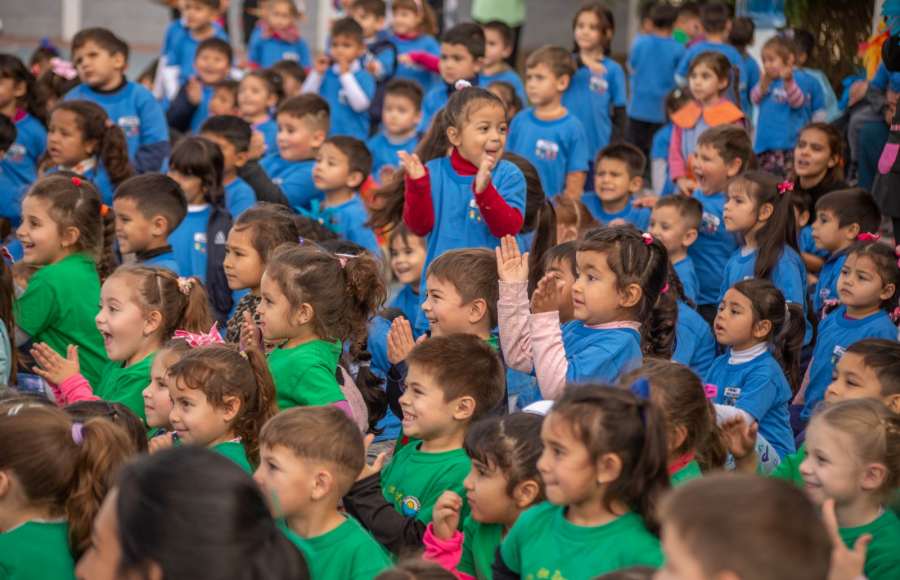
(247, 318)
(861, 544)
(421, 339)
(830, 519)
(525, 258)
(368, 441)
(73, 353)
(42, 373)
(379, 461)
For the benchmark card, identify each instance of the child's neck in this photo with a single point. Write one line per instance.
(229, 176)
(224, 438)
(714, 37)
(747, 344)
(750, 235)
(19, 515)
(149, 345)
(304, 334)
(862, 311)
(260, 117)
(319, 518)
(492, 69)
(710, 100)
(10, 108)
(859, 511)
(592, 512)
(338, 196)
(550, 110)
(155, 244)
(446, 442)
(203, 32)
(404, 136)
(114, 81)
(592, 54)
(617, 205)
(677, 255)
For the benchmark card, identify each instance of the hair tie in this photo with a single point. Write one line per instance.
(104, 209)
(895, 315)
(665, 289)
(710, 390)
(4, 251)
(462, 84)
(109, 123)
(76, 181)
(641, 388)
(867, 237)
(77, 435)
(648, 239)
(201, 340)
(63, 68)
(184, 284)
(342, 258)
(244, 354)
(785, 186)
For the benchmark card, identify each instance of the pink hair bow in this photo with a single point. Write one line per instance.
(7, 255)
(665, 289)
(895, 315)
(648, 239)
(785, 186)
(63, 68)
(201, 340)
(867, 237)
(710, 390)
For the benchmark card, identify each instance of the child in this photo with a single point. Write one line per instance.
(547, 135)
(618, 171)
(596, 94)
(651, 68)
(9, 356)
(868, 369)
(660, 179)
(675, 221)
(867, 287)
(754, 318)
(687, 25)
(813, 258)
(63, 229)
(400, 116)
(781, 95)
(277, 37)
(695, 344)
(81, 139)
(18, 167)
(740, 37)
(502, 484)
(607, 517)
(507, 93)
(224, 99)
(157, 403)
(408, 253)
(414, 26)
(140, 309)
(232, 135)
(190, 107)
(804, 44)
(310, 458)
(722, 153)
(56, 476)
(626, 272)
(342, 81)
(255, 235)
(715, 22)
(842, 217)
(710, 74)
(101, 59)
(303, 124)
(292, 76)
(342, 165)
(852, 461)
(380, 57)
(200, 24)
(498, 45)
(442, 399)
(148, 209)
(8, 134)
(57, 79)
(258, 94)
(818, 161)
(197, 165)
(462, 56)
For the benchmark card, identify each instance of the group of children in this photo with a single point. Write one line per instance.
(561, 348)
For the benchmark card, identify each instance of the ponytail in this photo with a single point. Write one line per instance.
(114, 154)
(736, 82)
(106, 262)
(260, 408)
(544, 239)
(371, 387)
(789, 342)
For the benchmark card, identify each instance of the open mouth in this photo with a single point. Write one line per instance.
(408, 418)
(719, 329)
(107, 338)
(26, 247)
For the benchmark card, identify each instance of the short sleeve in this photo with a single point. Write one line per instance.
(619, 95)
(38, 307)
(789, 280)
(578, 154)
(816, 94)
(316, 387)
(303, 49)
(757, 395)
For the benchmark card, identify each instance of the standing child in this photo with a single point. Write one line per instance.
(414, 26)
(277, 37)
(675, 221)
(408, 254)
(400, 116)
(157, 403)
(547, 135)
(660, 179)
(618, 171)
(232, 135)
(200, 24)
(380, 57)
(498, 45)
(715, 22)
(148, 209)
(687, 25)
(597, 518)
(740, 37)
(190, 107)
(258, 95)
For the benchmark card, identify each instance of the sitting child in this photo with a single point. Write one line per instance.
(407, 262)
(618, 176)
(462, 55)
(190, 107)
(232, 135)
(401, 114)
(675, 220)
(224, 99)
(498, 45)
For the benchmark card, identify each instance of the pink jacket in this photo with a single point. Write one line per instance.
(446, 554)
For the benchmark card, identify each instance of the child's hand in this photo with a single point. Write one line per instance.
(162, 442)
(648, 201)
(483, 177)
(597, 69)
(405, 59)
(257, 146)
(512, 265)
(686, 185)
(386, 174)
(857, 92)
(250, 333)
(400, 340)
(54, 368)
(343, 65)
(412, 165)
(194, 91)
(367, 469)
(321, 64)
(742, 442)
(546, 295)
(445, 515)
(787, 74)
(846, 564)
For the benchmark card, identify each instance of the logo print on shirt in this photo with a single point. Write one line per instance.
(546, 149)
(474, 212)
(730, 396)
(837, 353)
(16, 153)
(410, 506)
(598, 85)
(711, 223)
(131, 125)
(342, 97)
(779, 95)
(290, 55)
(200, 242)
(219, 240)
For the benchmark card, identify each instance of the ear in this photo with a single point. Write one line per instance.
(893, 403)
(322, 484)
(526, 493)
(70, 236)
(19, 89)
(636, 183)
(241, 159)
(762, 328)
(119, 61)
(418, 117)
(317, 138)
(272, 101)
(159, 225)
(355, 179)
(873, 476)
(465, 406)
(5, 484)
(478, 309)
(479, 62)
(631, 296)
(453, 136)
(834, 160)
(154, 571)
(304, 314)
(232, 406)
(690, 237)
(765, 212)
(562, 82)
(723, 83)
(734, 167)
(91, 146)
(804, 219)
(676, 438)
(609, 468)
(152, 322)
(853, 230)
(887, 291)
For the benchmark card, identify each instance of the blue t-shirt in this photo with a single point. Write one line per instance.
(201, 113)
(555, 148)
(385, 60)
(238, 197)
(599, 356)
(408, 302)
(266, 52)
(98, 176)
(734, 57)
(166, 260)
(377, 345)
(173, 31)
(183, 50)
(751, 71)
(386, 154)
(294, 178)
(883, 79)
(592, 99)
(18, 169)
(344, 120)
(348, 220)
(638, 216)
(660, 150)
(413, 71)
(507, 76)
(688, 276)
(269, 129)
(189, 243)
(435, 100)
(713, 248)
(779, 124)
(836, 333)
(134, 110)
(651, 67)
(808, 245)
(826, 287)
(695, 344)
(760, 388)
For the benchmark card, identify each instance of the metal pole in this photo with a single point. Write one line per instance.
(71, 19)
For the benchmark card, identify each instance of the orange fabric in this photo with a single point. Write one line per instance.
(722, 113)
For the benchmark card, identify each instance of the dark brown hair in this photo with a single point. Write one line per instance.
(429, 25)
(508, 95)
(156, 194)
(506, 33)
(468, 35)
(270, 79)
(634, 159)
(559, 210)
(722, 68)
(270, 225)
(200, 157)
(416, 568)
(882, 355)
(407, 89)
(376, 8)
(559, 60)
(885, 261)
(311, 109)
(359, 158)
(512, 444)
(606, 18)
(118, 413)
(103, 38)
(473, 272)
(714, 17)
(852, 206)
(8, 313)
(690, 209)
(835, 147)
(784, 47)
(731, 142)
(347, 27)
(741, 32)
(33, 101)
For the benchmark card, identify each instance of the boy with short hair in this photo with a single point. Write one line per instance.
(277, 37)
(813, 258)
(715, 20)
(841, 216)
(100, 58)
(498, 45)
(618, 171)
(224, 99)
(740, 37)
(675, 220)
(443, 397)
(148, 209)
(292, 77)
(687, 24)
(309, 459)
(232, 135)
(191, 105)
(200, 24)
(342, 165)
(346, 86)
(462, 56)
(303, 124)
(546, 134)
(380, 57)
(400, 116)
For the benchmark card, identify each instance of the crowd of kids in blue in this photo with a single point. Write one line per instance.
(400, 311)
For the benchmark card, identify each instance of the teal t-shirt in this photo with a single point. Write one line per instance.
(686, 474)
(479, 548)
(125, 384)
(235, 452)
(59, 307)
(883, 553)
(544, 544)
(36, 551)
(305, 375)
(347, 552)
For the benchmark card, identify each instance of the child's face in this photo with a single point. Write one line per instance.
(595, 296)
(667, 225)
(457, 63)
(562, 271)
(445, 310)
(120, 321)
(588, 32)
(211, 66)
(860, 285)
(542, 86)
(408, 259)
(280, 15)
(243, 265)
(495, 49)
(232, 160)
(195, 419)
(405, 22)
(11, 92)
(65, 141)
(483, 134)
(689, 25)
(612, 182)
(254, 98)
(705, 84)
(828, 234)
(813, 156)
(734, 323)
(134, 231)
(276, 316)
(223, 102)
(96, 66)
(486, 494)
(740, 213)
(285, 479)
(426, 414)
(296, 142)
(291, 85)
(157, 404)
(42, 242)
(853, 379)
(370, 24)
(570, 477)
(332, 170)
(711, 170)
(774, 63)
(801, 217)
(197, 15)
(399, 115)
(679, 562)
(830, 470)
(346, 49)
(192, 185)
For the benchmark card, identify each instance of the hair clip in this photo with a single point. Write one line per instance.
(785, 186)
(104, 209)
(895, 315)
(201, 340)
(63, 68)
(710, 390)
(244, 354)
(664, 289)
(184, 284)
(462, 84)
(77, 435)
(76, 181)
(342, 258)
(867, 237)
(648, 239)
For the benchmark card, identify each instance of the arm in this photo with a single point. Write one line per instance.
(501, 218)
(575, 184)
(313, 82)
(418, 211)
(266, 190)
(757, 93)
(794, 93)
(515, 332)
(149, 158)
(658, 168)
(446, 554)
(677, 163)
(549, 353)
(425, 59)
(181, 111)
(76, 388)
(358, 100)
(392, 530)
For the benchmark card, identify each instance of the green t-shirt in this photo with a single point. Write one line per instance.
(789, 468)
(680, 36)
(59, 307)
(479, 548)
(235, 452)
(544, 544)
(686, 474)
(414, 480)
(125, 384)
(883, 553)
(345, 553)
(36, 551)
(304, 375)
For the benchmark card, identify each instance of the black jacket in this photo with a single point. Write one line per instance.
(217, 227)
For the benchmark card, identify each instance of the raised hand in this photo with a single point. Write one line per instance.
(648, 201)
(512, 265)
(483, 177)
(194, 91)
(686, 185)
(257, 146)
(321, 64)
(546, 295)
(400, 340)
(250, 333)
(367, 469)
(846, 564)
(742, 443)
(54, 368)
(162, 442)
(445, 515)
(412, 165)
